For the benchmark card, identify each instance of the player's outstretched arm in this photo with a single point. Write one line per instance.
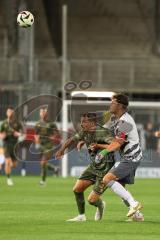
(113, 146)
(59, 154)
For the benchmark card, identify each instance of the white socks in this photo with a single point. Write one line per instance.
(82, 215)
(122, 192)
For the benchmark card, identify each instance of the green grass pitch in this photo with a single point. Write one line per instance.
(31, 212)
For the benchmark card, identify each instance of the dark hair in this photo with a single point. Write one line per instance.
(10, 107)
(90, 115)
(43, 109)
(122, 99)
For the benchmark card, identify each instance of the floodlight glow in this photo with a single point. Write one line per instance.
(92, 94)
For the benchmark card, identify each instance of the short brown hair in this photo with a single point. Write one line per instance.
(10, 107)
(122, 99)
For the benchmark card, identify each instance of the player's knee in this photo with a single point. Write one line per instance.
(77, 189)
(43, 163)
(108, 177)
(74, 189)
(14, 164)
(7, 162)
(90, 200)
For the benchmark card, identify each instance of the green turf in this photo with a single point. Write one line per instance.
(31, 212)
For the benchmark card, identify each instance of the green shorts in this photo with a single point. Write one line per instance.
(9, 151)
(91, 175)
(47, 150)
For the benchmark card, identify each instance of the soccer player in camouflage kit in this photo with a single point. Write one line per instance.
(11, 130)
(94, 173)
(45, 131)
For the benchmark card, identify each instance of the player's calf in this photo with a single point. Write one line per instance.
(95, 200)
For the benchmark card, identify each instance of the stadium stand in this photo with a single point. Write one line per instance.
(103, 46)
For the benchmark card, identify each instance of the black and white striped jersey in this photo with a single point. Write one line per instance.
(131, 149)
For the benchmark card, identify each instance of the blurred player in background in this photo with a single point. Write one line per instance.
(11, 130)
(157, 135)
(45, 132)
(150, 139)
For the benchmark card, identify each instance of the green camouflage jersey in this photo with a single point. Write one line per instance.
(9, 127)
(102, 136)
(45, 130)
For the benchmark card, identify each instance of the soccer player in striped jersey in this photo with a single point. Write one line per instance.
(129, 148)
